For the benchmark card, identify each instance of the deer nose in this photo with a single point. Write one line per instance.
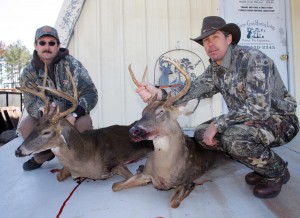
(136, 131)
(18, 153)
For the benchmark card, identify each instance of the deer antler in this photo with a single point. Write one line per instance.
(172, 99)
(33, 89)
(59, 93)
(133, 77)
(143, 79)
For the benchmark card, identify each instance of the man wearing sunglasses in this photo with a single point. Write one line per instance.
(49, 55)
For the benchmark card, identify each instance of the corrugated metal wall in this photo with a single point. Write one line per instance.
(111, 34)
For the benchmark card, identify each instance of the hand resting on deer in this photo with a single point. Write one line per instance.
(177, 160)
(95, 154)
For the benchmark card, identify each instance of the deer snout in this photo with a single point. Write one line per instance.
(137, 134)
(19, 153)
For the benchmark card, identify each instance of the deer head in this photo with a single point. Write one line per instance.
(160, 118)
(51, 129)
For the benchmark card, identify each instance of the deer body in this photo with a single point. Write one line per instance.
(95, 154)
(177, 160)
(177, 166)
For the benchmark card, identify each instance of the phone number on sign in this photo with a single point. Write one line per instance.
(264, 46)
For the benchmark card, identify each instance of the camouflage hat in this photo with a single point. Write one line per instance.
(45, 30)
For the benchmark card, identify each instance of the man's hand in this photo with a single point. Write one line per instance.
(52, 108)
(147, 91)
(209, 134)
(71, 119)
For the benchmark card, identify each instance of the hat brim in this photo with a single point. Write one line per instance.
(231, 28)
(45, 34)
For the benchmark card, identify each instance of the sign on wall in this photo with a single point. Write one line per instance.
(262, 24)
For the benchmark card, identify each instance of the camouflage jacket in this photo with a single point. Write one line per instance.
(58, 79)
(250, 85)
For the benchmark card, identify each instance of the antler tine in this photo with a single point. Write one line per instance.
(145, 74)
(132, 76)
(46, 108)
(59, 93)
(172, 99)
(41, 95)
(33, 89)
(143, 80)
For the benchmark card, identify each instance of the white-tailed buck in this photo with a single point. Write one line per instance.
(177, 160)
(95, 154)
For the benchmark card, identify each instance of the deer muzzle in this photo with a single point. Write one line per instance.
(19, 152)
(137, 134)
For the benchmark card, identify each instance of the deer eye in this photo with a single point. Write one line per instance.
(160, 113)
(46, 132)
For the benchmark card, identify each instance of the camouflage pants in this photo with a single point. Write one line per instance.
(251, 144)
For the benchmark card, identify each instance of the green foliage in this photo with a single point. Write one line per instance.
(15, 57)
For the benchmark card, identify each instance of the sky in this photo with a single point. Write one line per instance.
(19, 19)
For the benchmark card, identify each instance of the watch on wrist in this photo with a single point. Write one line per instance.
(74, 114)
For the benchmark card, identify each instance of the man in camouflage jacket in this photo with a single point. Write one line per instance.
(57, 60)
(261, 112)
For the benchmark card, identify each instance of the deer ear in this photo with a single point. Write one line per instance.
(70, 135)
(65, 134)
(189, 107)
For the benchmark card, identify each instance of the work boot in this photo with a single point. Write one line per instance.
(253, 178)
(31, 164)
(271, 187)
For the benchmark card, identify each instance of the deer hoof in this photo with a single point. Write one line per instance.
(62, 175)
(175, 203)
(117, 186)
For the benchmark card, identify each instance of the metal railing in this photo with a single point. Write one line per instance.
(11, 97)
(11, 104)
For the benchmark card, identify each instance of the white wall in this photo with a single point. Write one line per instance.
(111, 34)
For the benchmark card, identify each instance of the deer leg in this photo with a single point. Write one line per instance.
(123, 171)
(136, 180)
(63, 174)
(181, 193)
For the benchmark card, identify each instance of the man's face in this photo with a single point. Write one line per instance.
(216, 46)
(47, 48)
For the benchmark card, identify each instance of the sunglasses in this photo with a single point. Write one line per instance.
(51, 43)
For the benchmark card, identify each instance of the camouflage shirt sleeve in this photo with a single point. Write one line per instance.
(250, 85)
(88, 95)
(31, 103)
(202, 87)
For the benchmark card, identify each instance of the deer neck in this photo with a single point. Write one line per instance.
(70, 137)
(170, 142)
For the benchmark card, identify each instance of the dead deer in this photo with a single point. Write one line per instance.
(177, 160)
(94, 154)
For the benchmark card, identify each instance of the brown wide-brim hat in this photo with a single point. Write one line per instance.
(212, 24)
